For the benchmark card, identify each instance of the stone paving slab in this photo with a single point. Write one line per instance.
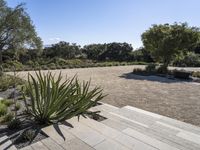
(105, 107)
(51, 144)
(110, 145)
(101, 128)
(76, 144)
(85, 133)
(146, 139)
(59, 138)
(39, 146)
(27, 148)
(114, 124)
(133, 143)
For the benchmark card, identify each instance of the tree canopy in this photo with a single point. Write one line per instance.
(166, 41)
(63, 50)
(109, 51)
(16, 29)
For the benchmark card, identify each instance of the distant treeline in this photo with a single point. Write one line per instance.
(99, 52)
(122, 52)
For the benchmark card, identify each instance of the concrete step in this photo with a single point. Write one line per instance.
(158, 128)
(149, 140)
(39, 146)
(83, 132)
(58, 134)
(104, 107)
(27, 148)
(51, 144)
(162, 120)
(114, 136)
(6, 144)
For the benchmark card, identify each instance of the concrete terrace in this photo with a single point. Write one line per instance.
(125, 128)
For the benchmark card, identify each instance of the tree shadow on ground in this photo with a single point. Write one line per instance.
(153, 78)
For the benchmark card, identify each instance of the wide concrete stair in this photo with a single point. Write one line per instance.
(126, 128)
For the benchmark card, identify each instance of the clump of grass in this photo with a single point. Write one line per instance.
(7, 102)
(196, 74)
(3, 109)
(14, 124)
(18, 106)
(8, 81)
(151, 68)
(139, 71)
(28, 135)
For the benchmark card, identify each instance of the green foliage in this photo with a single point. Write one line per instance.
(196, 74)
(140, 54)
(162, 69)
(12, 64)
(189, 60)
(8, 81)
(7, 102)
(52, 100)
(14, 124)
(63, 50)
(3, 109)
(166, 41)
(28, 135)
(139, 71)
(151, 68)
(16, 29)
(110, 51)
(18, 106)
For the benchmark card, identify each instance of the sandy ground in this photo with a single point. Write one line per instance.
(172, 98)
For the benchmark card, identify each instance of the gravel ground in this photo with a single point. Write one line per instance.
(173, 98)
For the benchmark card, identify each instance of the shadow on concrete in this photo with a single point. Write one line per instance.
(57, 128)
(154, 78)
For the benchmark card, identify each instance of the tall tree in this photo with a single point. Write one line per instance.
(166, 41)
(16, 29)
(63, 49)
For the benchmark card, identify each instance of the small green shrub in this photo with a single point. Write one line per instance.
(139, 71)
(3, 109)
(52, 67)
(7, 102)
(11, 64)
(162, 69)
(18, 106)
(28, 135)
(45, 68)
(189, 60)
(196, 74)
(8, 81)
(151, 68)
(52, 100)
(14, 124)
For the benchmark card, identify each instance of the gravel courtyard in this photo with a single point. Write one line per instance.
(172, 98)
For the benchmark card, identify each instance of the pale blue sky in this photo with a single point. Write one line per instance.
(102, 21)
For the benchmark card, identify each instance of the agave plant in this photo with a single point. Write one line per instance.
(52, 100)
